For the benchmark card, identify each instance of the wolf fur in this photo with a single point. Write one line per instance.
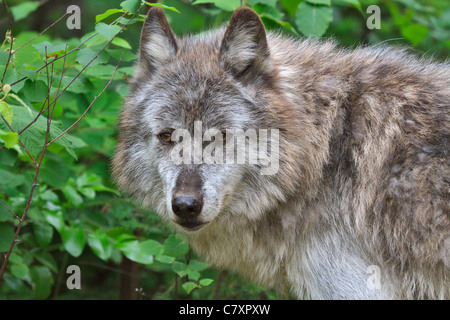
(364, 177)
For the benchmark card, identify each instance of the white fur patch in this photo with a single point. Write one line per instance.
(159, 48)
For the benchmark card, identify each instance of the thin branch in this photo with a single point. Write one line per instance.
(78, 46)
(64, 56)
(32, 121)
(90, 105)
(222, 274)
(27, 207)
(23, 146)
(11, 41)
(36, 175)
(47, 143)
(15, 215)
(23, 45)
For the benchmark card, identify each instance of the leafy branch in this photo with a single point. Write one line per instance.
(49, 108)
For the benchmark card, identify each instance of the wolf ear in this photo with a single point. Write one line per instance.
(244, 49)
(158, 44)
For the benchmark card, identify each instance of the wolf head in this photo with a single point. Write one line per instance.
(223, 79)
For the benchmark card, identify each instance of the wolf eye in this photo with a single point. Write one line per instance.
(165, 137)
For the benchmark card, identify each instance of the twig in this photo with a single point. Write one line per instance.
(67, 53)
(47, 135)
(11, 41)
(15, 215)
(78, 47)
(23, 146)
(222, 274)
(33, 187)
(90, 105)
(42, 32)
(19, 226)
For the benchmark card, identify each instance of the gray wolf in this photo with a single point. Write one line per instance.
(359, 207)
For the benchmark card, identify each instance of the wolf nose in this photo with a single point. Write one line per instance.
(187, 206)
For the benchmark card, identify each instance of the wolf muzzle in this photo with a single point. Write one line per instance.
(187, 199)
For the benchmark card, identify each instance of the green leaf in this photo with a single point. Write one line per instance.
(10, 139)
(88, 193)
(34, 137)
(197, 265)
(175, 247)
(15, 258)
(121, 236)
(49, 195)
(55, 174)
(100, 244)
(180, 268)
(165, 259)
(56, 219)
(6, 236)
(17, 98)
(106, 14)
(290, 6)
(102, 72)
(4, 57)
(131, 5)
(35, 91)
(268, 11)
(30, 73)
(43, 234)
(189, 286)
(73, 240)
(133, 251)
(42, 282)
(227, 5)
(19, 270)
(162, 6)
(125, 54)
(46, 48)
(206, 282)
(22, 10)
(121, 43)
(324, 2)
(354, 3)
(10, 180)
(47, 260)
(86, 55)
(152, 247)
(313, 20)
(414, 33)
(6, 111)
(88, 179)
(417, 6)
(183, 269)
(192, 270)
(273, 23)
(72, 196)
(107, 31)
(271, 3)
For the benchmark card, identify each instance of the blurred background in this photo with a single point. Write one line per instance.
(75, 216)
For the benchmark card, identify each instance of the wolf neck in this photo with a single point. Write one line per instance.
(321, 267)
